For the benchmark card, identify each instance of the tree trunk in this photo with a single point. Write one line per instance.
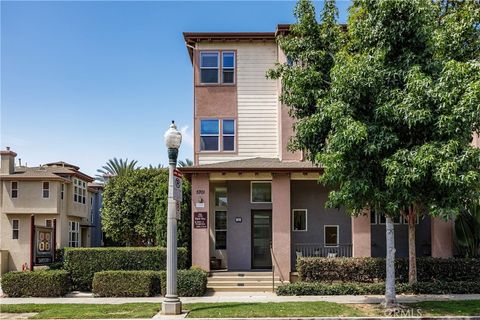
(390, 295)
(412, 254)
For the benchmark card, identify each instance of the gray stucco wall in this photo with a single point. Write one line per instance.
(312, 196)
(422, 234)
(239, 234)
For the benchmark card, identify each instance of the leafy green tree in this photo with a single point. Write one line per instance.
(387, 113)
(134, 208)
(115, 167)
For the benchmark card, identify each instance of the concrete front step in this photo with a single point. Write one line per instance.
(241, 273)
(249, 278)
(240, 289)
(238, 283)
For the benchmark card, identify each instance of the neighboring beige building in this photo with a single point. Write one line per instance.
(52, 191)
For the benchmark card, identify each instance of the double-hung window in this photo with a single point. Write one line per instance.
(46, 190)
(15, 228)
(209, 67)
(14, 186)
(209, 135)
(228, 134)
(73, 234)
(228, 67)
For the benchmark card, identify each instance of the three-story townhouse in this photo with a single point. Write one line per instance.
(54, 191)
(255, 204)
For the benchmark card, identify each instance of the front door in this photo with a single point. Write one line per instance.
(261, 239)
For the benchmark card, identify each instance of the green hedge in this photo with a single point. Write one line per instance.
(373, 269)
(190, 283)
(45, 283)
(83, 263)
(352, 288)
(126, 283)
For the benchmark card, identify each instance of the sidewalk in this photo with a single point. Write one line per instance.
(87, 298)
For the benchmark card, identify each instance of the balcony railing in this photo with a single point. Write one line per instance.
(321, 250)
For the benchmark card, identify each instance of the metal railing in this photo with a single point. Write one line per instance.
(321, 250)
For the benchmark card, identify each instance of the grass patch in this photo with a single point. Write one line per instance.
(271, 309)
(85, 311)
(450, 308)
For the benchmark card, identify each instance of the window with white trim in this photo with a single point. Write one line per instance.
(261, 192)
(331, 236)
(46, 189)
(228, 67)
(14, 189)
(79, 191)
(299, 220)
(15, 228)
(73, 234)
(209, 67)
(209, 135)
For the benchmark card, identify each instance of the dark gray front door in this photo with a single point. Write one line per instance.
(261, 239)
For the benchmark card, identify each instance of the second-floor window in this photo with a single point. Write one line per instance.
(217, 67)
(46, 190)
(79, 191)
(211, 135)
(15, 229)
(14, 189)
(62, 191)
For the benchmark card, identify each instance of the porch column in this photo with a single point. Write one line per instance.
(200, 229)
(442, 238)
(361, 235)
(281, 225)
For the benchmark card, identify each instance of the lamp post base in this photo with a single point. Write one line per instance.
(171, 307)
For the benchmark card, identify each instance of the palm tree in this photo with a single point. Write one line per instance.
(116, 167)
(185, 163)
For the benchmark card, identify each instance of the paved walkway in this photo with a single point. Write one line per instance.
(240, 297)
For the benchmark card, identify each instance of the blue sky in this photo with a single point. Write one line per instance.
(87, 81)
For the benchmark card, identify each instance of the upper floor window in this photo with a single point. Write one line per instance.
(209, 135)
(15, 228)
(79, 191)
(211, 68)
(228, 67)
(62, 191)
(46, 190)
(14, 189)
(228, 131)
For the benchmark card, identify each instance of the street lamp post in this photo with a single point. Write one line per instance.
(172, 304)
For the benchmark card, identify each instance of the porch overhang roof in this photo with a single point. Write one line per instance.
(254, 165)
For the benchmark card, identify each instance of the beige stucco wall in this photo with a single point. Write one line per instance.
(30, 196)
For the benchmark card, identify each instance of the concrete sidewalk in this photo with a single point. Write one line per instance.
(87, 298)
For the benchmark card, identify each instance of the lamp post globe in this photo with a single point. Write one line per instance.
(171, 304)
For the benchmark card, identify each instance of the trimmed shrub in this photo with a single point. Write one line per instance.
(190, 283)
(126, 283)
(45, 283)
(352, 288)
(373, 269)
(83, 263)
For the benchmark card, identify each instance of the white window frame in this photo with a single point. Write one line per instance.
(215, 227)
(306, 219)
(325, 235)
(43, 189)
(74, 229)
(210, 135)
(51, 223)
(251, 190)
(14, 189)
(15, 229)
(229, 68)
(79, 191)
(218, 68)
(229, 134)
